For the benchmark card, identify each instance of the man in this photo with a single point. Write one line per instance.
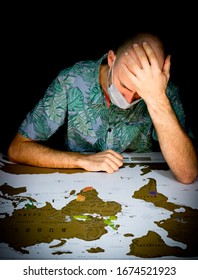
(123, 101)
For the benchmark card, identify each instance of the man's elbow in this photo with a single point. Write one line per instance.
(13, 153)
(187, 177)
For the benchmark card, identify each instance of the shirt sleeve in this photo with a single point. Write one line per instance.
(48, 115)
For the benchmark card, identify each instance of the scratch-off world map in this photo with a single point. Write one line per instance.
(140, 211)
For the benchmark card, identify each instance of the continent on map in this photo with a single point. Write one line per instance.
(148, 167)
(180, 226)
(86, 217)
(9, 193)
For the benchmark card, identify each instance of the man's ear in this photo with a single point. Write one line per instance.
(110, 57)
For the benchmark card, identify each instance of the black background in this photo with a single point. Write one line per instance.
(39, 41)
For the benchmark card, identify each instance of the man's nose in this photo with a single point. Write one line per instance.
(131, 97)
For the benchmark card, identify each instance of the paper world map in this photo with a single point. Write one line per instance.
(140, 211)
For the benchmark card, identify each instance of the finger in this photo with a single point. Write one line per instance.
(116, 154)
(109, 166)
(112, 159)
(143, 56)
(133, 64)
(128, 77)
(150, 54)
(105, 164)
(108, 161)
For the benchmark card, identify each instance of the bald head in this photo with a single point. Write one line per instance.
(151, 39)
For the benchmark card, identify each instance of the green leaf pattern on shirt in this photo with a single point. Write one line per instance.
(76, 96)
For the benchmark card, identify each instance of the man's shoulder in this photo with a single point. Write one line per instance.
(82, 67)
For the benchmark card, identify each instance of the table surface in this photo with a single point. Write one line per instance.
(140, 211)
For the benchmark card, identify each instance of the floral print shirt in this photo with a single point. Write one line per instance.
(75, 99)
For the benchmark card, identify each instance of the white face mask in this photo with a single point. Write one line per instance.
(116, 97)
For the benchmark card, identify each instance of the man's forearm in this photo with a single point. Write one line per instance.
(176, 146)
(35, 154)
(27, 151)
